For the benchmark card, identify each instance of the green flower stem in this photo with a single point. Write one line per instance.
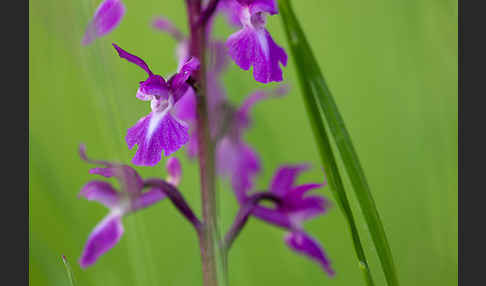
(210, 241)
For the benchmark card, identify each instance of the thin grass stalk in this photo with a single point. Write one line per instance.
(317, 89)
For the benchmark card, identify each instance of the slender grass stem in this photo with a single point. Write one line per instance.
(69, 271)
(299, 49)
(317, 94)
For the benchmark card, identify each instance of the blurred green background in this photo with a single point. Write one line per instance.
(392, 66)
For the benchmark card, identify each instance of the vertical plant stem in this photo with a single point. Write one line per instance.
(209, 236)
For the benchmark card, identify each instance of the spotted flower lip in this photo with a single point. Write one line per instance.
(252, 45)
(160, 130)
(106, 18)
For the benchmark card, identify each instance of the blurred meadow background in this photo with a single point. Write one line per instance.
(392, 67)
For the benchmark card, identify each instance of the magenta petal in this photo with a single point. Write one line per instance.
(185, 108)
(272, 216)
(129, 178)
(106, 18)
(232, 9)
(146, 155)
(246, 170)
(132, 58)
(178, 81)
(156, 86)
(101, 192)
(250, 101)
(302, 243)
(285, 177)
(105, 172)
(243, 116)
(193, 145)
(156, 132)
(182, 53)
(84, 157)
(241, 47)
(301, 190)
(163, 24)
(147, 199)
(269, 6)
(174, 169)
(104, 236)
(258, 96)
(186, 70)
(303, 209)
(270, 70)
(240, 162)
(255, 47)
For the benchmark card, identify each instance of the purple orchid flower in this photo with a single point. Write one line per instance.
(130, 199)
(217, 61)
(253, 45)
(185, 109)
(106, 18)
(235, 158)
(161, 129)
(295, 207)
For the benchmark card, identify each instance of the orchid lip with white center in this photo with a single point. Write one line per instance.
(257, 23)
(160, 108)
(263, 42)
(245, 17)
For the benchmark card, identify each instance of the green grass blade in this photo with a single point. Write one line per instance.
(333, 177)
(316, 92)
(323, 144)
(69, 271)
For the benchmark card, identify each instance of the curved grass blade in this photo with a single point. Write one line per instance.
(316, 92)
(69, 271)
(333, 176)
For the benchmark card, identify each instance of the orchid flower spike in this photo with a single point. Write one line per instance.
(128, 200)
(295, 207)
(252, 45)
(160, 129)
(106, 18)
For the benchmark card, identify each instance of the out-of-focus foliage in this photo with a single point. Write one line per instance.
(392, 67)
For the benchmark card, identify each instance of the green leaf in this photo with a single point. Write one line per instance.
(316, 93)
(69, 271)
